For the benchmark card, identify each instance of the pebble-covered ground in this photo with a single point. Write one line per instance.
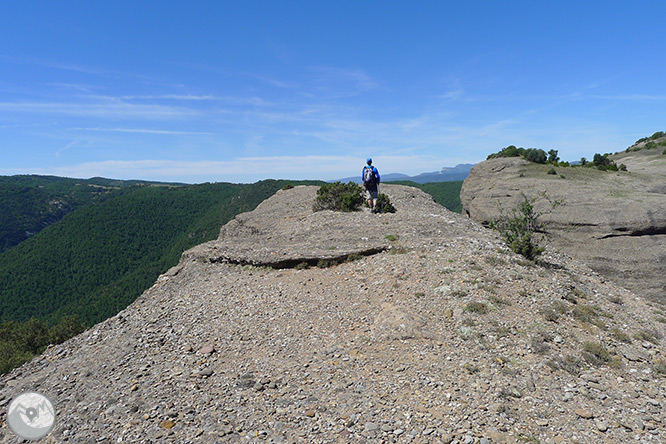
(441, 336)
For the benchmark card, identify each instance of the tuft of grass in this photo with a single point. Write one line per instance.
(477, 307)
(570, 298)
(459, 293)
(579, 294)
(323, 263)
(595, 353)
(569, 364)
(550, 315)
(589, 314)
(399, 250)
(539, 342)
(659, 367)
(471, 368)
(392, 237)
(353, 257)
(302, 266)
(621, 336)
(495, 261)
(616, 300)
(499, 301)
(503, 331)
(648, 335)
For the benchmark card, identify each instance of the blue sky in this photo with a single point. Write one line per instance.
(246, 90)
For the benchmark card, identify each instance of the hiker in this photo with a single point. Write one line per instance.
(370, 177)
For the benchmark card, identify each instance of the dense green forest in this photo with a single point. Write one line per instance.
(99, 258)
(447, 194)
(107, 245)
(30, 203)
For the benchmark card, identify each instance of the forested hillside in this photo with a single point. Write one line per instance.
(447, 194)
(98, 259)
(30, 203)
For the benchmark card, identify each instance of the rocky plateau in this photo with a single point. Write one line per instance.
(413, 327)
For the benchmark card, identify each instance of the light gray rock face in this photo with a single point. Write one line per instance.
(613, 221)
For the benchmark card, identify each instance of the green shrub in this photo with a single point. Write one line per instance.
(531, 154)
(551, 171)
(650, 146)
(520, 229)
(384, 204)
(339, 197)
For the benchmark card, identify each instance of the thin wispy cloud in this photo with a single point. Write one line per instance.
(172, 97)
(329, 81)
(633, 97)
(146, 131)
(100, 110)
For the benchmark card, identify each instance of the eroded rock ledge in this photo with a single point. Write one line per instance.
(615, 222)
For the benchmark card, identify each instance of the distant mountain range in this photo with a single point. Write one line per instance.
(446, 174)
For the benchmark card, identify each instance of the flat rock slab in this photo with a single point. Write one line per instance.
(283, 231)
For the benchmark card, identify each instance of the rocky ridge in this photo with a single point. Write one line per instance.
(420, 327)
(615, 222)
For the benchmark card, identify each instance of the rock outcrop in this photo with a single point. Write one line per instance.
(433, 333)
(615, 222)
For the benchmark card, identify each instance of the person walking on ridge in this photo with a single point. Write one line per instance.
(371, 179)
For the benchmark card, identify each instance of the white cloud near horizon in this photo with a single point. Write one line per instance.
(245, 169)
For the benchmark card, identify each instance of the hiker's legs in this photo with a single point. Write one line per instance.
(372, 199)
(370, 194)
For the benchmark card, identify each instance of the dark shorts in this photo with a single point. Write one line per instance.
(371, 193)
